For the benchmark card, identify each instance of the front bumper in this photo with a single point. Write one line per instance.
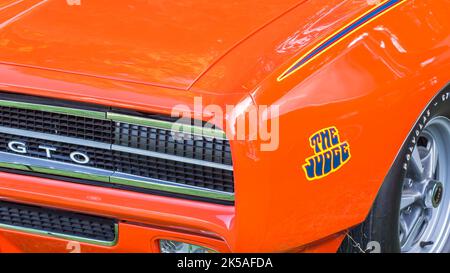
(143, 219)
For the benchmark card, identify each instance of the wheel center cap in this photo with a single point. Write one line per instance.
(434, 192)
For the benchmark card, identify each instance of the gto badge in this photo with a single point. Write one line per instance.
(21, 148)
(330, 153)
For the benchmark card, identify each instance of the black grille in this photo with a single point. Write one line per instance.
(151, 167)
(175, 171)
(114, 146)
(57, 221)
(141, 137)
(162, 141)
(56, 124)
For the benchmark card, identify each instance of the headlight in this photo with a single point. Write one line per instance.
(169, 246)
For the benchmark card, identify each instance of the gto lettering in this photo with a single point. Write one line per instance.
(21, 148)
(79, 158)
(48, 150)
(329, 154)
(18, 147)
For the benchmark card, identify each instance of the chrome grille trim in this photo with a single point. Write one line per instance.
(12, 160)
(114, 147)
(171, 157)
(155, 184)
(63, 139)
(26, 163)
(54, 109)
(160, 124)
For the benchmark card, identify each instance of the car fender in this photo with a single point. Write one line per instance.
(371, 86)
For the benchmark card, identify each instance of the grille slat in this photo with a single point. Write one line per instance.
(57, 221)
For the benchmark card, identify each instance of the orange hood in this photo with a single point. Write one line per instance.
(161, 43)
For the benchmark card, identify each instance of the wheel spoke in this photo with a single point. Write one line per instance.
(429, 160)
(416, 169)
(412, 227)
(409, 198)
(403, 229)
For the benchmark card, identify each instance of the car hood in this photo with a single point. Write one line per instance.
(161, 43)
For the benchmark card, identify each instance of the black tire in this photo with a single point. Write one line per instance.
(381, 225)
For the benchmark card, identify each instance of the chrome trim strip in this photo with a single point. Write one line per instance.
(171, 157)
(182, 128)
(25, 163)
(160, 124)
(54, 109)
(154, 184)
(56, 138)
(65, 236)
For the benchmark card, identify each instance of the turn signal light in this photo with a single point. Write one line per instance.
(170, 246)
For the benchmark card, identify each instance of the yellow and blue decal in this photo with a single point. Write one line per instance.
(330, 154)
(339, 35)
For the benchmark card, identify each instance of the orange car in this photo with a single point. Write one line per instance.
(224, 126)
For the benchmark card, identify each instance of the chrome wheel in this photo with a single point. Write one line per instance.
(424, 224)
